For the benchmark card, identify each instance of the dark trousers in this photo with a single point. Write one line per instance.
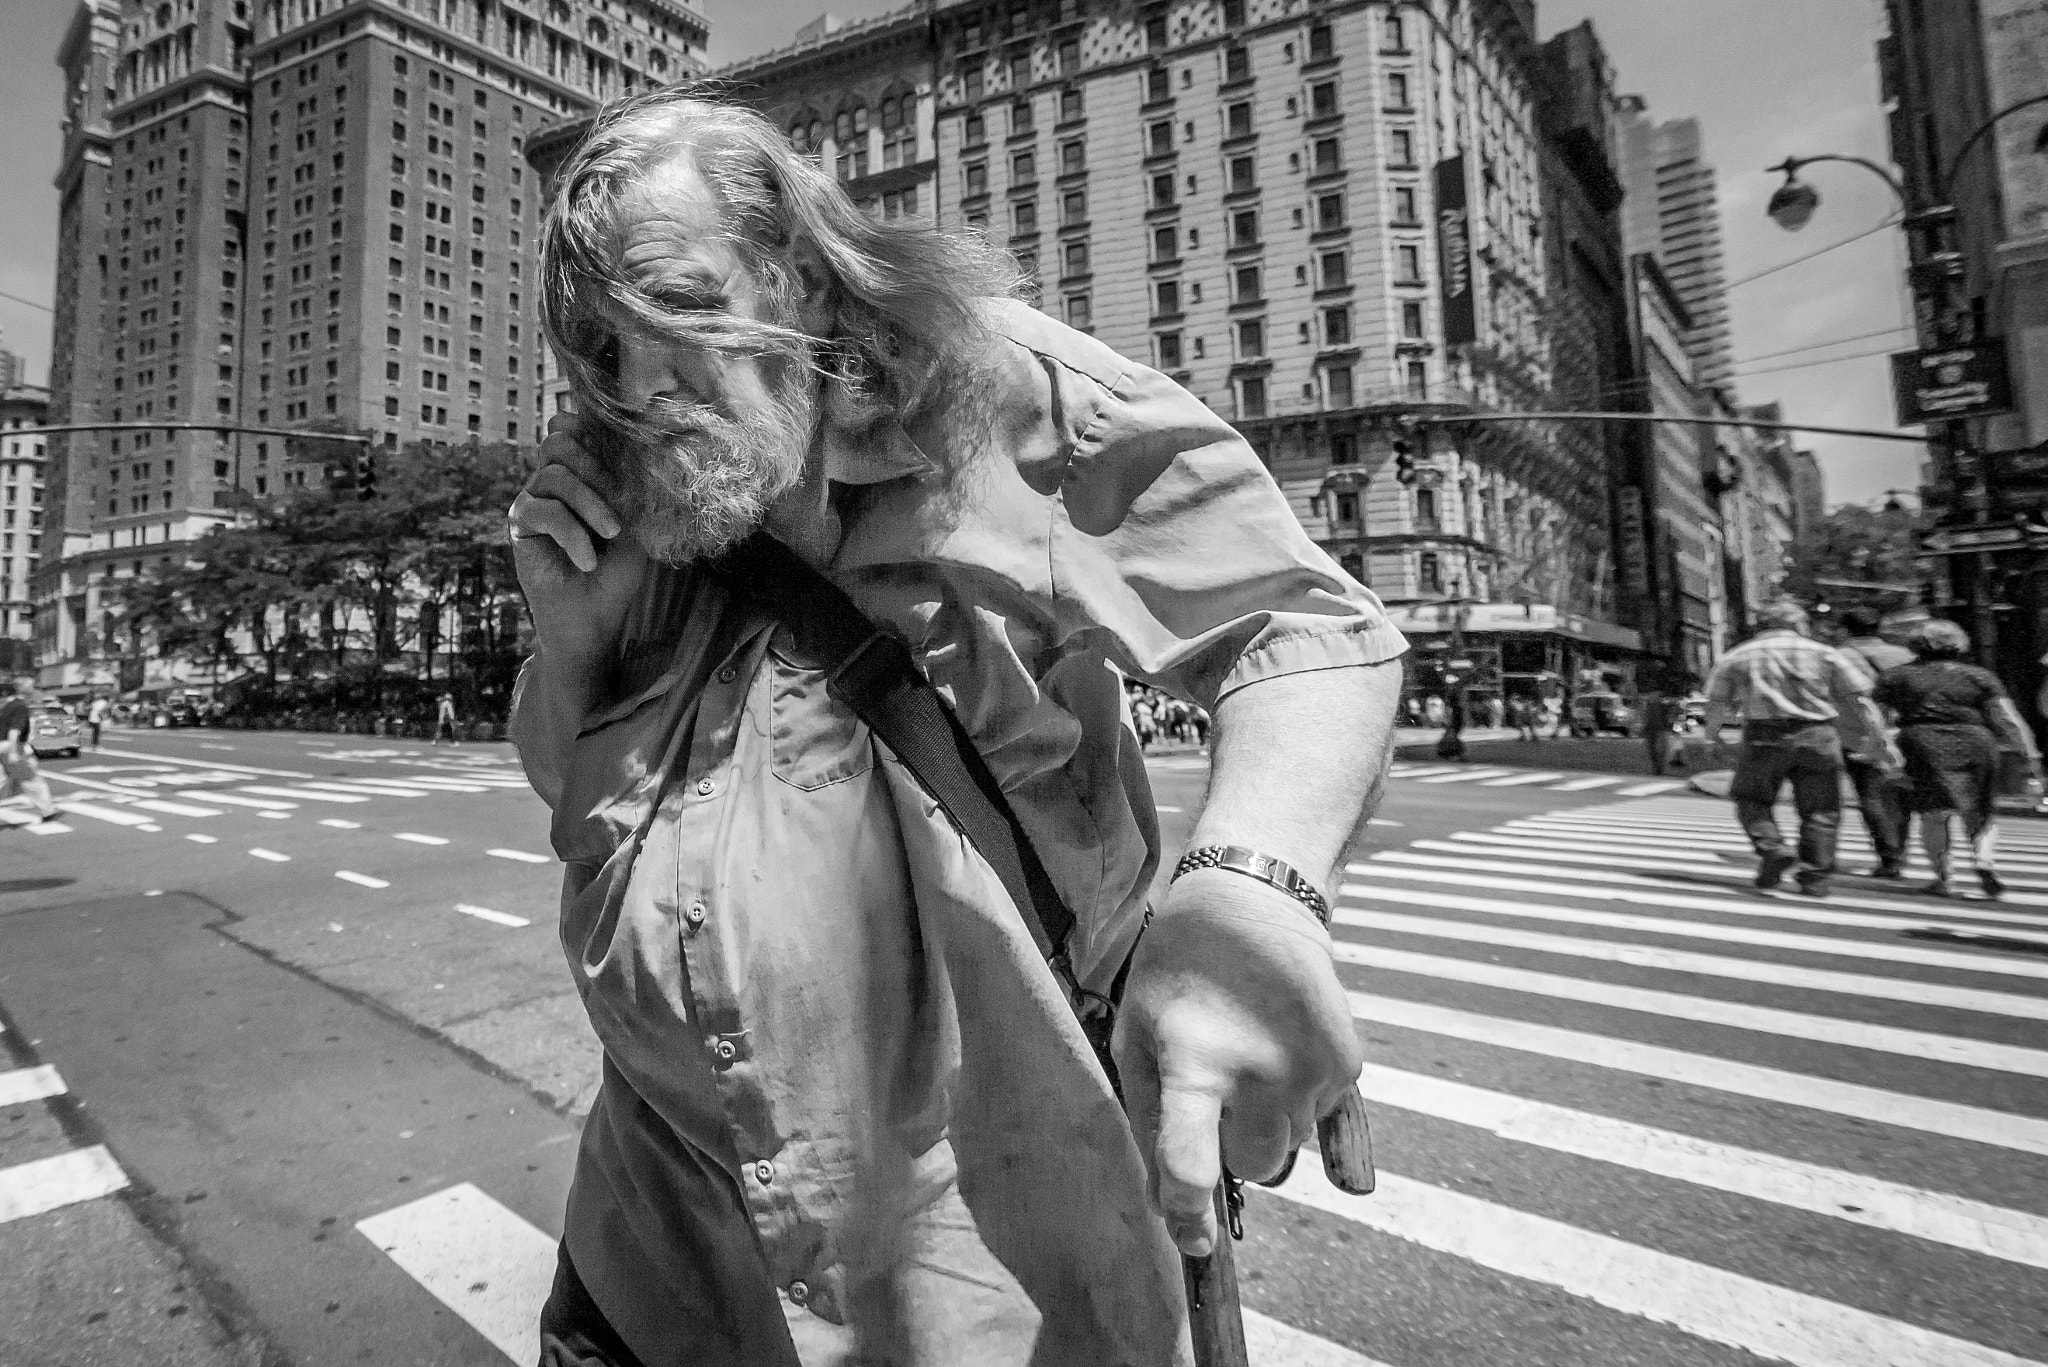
(1809, 756)
(1884, 810)
(573, 1331)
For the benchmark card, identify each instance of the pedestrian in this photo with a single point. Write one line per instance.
(847, 1109)
(96, 717)
(1146, 720)
(1657, 729)
(19, 776)
(1879, 795)
(444, 720)
(1953, 719)
(1798, 700)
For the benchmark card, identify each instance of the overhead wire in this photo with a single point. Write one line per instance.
(1892, 331)
(1893, 221)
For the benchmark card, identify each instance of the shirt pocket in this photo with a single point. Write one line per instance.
(816, 739)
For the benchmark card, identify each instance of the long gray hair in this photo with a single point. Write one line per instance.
(905, 297)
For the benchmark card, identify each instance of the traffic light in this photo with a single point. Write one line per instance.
(366, 477)
(1404, 460)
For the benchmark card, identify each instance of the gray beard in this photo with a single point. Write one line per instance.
(706, 483)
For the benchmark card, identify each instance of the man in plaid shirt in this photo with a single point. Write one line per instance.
(1798, 701)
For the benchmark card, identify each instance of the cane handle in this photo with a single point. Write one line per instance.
(1345, 1138)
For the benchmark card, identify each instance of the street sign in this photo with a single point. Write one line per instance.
(2018, 479)
(1941, 384)
(1991, 536)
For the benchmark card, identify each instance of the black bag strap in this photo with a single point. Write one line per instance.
(872, 673)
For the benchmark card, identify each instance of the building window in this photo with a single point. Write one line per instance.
(1392, 36)
(1244, 228)
(1080, 312)
(1069, 56)
(1158, 85)
(1337, 387)
(1073, 208)
(1321, 43)
(1233, 13)
(970, 81)
(1343, 449)
(1251, 396)
(1159, 138)
(1166, 243)
(1024, 217)
(1020, 118)
(1243, 174)
(1404, 205)
(1251, 339)
(1167, 346)
(1155, 32)
(1397, 90)
(1411, 318)
(1407, 264)
(1427, 514)
(1247, 282)
(1074, 259)
(975, 179)
(1328, 157)
(1168, 293)
(1237, 120)
(973, 131)
(1336, 270)
(1337, 327)
(1329, 213)
(1322, 100)
(1237, 65)
(1020, 72)
(1023, 168)
(1418, 380)
(1073, 157)
(1429, 568)
(1401, 147)
(1162, 191)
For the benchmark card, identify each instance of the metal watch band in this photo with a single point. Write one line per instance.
(1263, 867)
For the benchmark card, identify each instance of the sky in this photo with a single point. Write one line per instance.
(1766, 78)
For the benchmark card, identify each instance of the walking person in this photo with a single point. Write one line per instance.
(96, 717)
(1798, 701)
(444, 720)
(1879, 793)
(1953, 720)
(19, 776)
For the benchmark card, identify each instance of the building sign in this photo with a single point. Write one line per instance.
(1967, 380)
(1635, 547)
(1454, 251)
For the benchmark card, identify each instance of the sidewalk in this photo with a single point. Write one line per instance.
(1595, 755)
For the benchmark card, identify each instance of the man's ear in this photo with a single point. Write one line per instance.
(816, 309)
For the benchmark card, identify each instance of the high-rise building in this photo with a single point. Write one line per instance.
(1672, 212)
(296, 214)
(23, 458)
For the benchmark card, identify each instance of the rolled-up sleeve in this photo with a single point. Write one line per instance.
(1174, 547)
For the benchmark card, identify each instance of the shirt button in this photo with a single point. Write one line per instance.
(694, 914)
(726, 1050)
(799, 1294)
(728, 674)
(705, 787)
(764, 1172)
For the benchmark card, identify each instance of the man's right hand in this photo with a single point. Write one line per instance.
(578, 572)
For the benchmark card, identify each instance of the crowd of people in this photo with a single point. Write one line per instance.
(1161, 719)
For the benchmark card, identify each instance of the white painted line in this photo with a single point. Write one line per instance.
(521, 855)
(1429, 769)
(152, 829)
(1645, 789)
(1976, 1226)
(1271, 1343)
(434, 785)
(272, 855)
(276, 816)
(206, 746)
(208, 764)
(11, 817)
(372, 789)
(110, 815)
(502, 918)
(1771, 1322)
(1957, 1049)
(341, 825)
(199, 839)
(1831, 945)
(234, 801)
(60, 1180)
(176, 808)
(1585, 849)
(312, 793)
(49, 828)
(1519, 780)
(1580, 785)
(419, 839)
(360, 879)
(477, 1258)
(29, 1084)
(1975, 1124)
(1467, 776)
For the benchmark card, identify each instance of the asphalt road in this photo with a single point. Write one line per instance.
(290, 1072)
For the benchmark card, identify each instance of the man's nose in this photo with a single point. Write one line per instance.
(645, 373)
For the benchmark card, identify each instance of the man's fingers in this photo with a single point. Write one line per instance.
(1256, 1143)
(1187, 1161)
(537, 517)
(559, 482)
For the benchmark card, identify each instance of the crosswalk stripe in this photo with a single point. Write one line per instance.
(476, 1257)
(502, 918)
(1580, 785)
(373, 789)
(1585, 845)
(1429, 769)
(1771, 1322)
(176, 808)
(1953, 1120)
(29, 1084)
(1661, 785)
(521, 855)
(234, 800)
(111, 815)
(60, 1180)
(1835, 946)
(1939, 1217)
(1653, 840)
(1957, 1049)
(1519, 780)
(360, 879)
(1271, 1343)
(313, 794)
(1467, 776)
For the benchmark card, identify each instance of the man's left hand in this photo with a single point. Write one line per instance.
(1234, 1027)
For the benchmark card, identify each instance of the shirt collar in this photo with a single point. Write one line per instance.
(883, 451)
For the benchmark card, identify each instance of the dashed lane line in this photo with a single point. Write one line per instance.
(1580, 785)
(60, 1180)
(234, 800)
(175, 808)
(521, 855)
(29, 1084)
(361, 879)
(272, 855)
(198, 839)
(501, 918)
(341, 825)
(1662, 785)
(416, 838)
(1520, 780)
(1463, 776)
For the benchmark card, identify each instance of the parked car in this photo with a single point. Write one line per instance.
(1602, 713)
(54, 731)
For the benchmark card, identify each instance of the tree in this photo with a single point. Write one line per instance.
(1858, 553)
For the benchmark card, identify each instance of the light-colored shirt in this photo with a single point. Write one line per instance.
(1783, 676)
(1874, 655)
(823, 1018)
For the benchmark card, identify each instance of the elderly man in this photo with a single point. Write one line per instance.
(1878, 794)
(847, 1112)
(1798, 700)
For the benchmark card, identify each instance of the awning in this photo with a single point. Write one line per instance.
(1536, 619)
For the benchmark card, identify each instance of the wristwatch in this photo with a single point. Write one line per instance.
(1263, 867)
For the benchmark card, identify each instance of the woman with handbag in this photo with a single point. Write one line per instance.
(1954, 718)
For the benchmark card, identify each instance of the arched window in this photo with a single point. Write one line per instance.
(850, 130)
(899, 130)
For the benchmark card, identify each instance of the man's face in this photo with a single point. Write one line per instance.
(736, 428)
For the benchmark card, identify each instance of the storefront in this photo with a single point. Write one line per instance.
(1492, 652)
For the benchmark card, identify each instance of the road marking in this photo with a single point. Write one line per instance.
(1939, 1217)
(176, 808)
(1975, 1124)
(419, 839)
(59, 1180)
(199, 839)
(361, 879)
(1519, 780)
(1972, 1053)
(521, 855)
(1429, 769)
(1270, 1343)
(477, 1258)
(146, 826)
(313, 793)
(1617, 856)
(1466, 776)
(209, 764)
(49, 828)
(29, 1084)
(1771, 1322)
(373, 789)
(276, 816)
(108, 814)
(272, 855)
(439, 785)
(341, 825)
(502, 918)
(233, 801)
(1662, 785)
(206, 746)
(1580, 785)
(1830, 945)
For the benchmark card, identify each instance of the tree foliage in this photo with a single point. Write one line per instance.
(1854, 544)
(415, 579)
